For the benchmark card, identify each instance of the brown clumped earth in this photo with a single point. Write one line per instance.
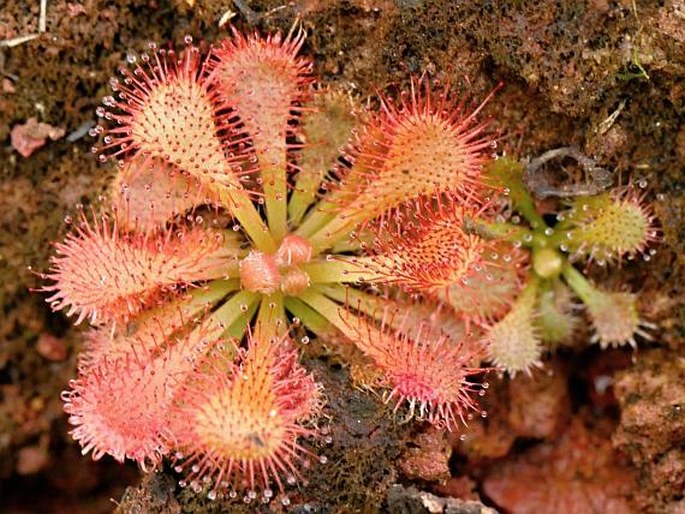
(592, 428)
(651, 396)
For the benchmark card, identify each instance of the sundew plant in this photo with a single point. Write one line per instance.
(254, 209)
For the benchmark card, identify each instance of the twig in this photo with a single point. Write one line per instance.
(15, 41)
(42, 27)
(81, 131)
(43, 15)
(607, 123)
(251, 16)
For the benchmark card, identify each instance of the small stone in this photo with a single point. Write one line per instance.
(30, 136)
(31, 460)
(8, 86)
(74, 9)
(51, 348)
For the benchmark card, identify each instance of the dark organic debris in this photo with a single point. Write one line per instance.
(597, 179)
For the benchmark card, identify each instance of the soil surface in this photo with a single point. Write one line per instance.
(593, 432)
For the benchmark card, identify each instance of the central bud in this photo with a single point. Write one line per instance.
(266, 273)
(547, 262)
